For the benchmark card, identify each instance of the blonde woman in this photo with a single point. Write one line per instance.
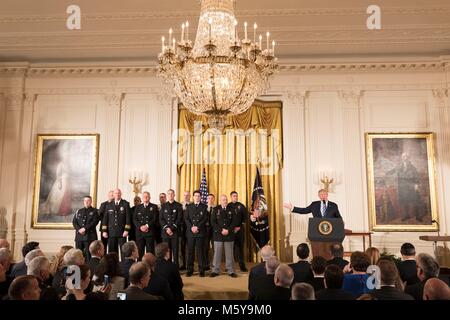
(57, 262)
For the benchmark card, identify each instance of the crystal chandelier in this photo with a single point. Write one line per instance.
(219, 74)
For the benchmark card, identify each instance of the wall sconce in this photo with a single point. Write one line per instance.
(137, 179)
(326, 178)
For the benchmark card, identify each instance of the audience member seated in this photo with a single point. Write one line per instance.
(5, 281)
(407, 267)
(24, 288)
(398, 281)
(260, 269)
(108, 273)
(337, 252)
(265, 282)
(20, 268)
(318, 265)
(72, 257)
(436, 289)
(168, 270)
(97, 251)
(130, 254)
(302, 291)
(57, 262)
(158, 285)
(388, 290)
(139, 275)
(427, 268)
(374, 255)
(284, 276)
(74, 293)
(40, 268)
(333, 280)
(302, 268)
(4, 244)
(355, 274)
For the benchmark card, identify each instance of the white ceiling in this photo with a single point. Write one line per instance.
(35, 30)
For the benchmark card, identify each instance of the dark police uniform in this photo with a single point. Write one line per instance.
(101, 214)
(208, 236)
(241, 219)
(145, 215)
(182, 240)
(116, 220)
(85, 218)
(224, 219)
(170, 217)
(196, 215)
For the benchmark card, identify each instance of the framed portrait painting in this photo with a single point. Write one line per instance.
(65, 171)
(401, 181)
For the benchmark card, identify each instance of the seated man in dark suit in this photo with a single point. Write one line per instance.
(265, 282)
(260, 269)
(436, 289)
(388, 291)
(284, 275)
(97, 251)
(334, 278)
(130, 253)
(407, 267)
(337, 251)
(319, 209)
(302, 268)
(20, 268)
(139, 276)
(318, 265)
(168, 270)
(158, 285)
(427, 268)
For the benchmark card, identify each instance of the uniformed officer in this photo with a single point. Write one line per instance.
(145, 221)
(209, 230)
(132, 234)
(242, 213)
(84, 221)
(182, 240)
(162, 200)
(116, 222)
(196, 217)
(101, 214)
(223, 221)
(170, 217)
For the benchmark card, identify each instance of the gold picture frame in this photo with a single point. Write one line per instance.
(401, 182)
(65, 170)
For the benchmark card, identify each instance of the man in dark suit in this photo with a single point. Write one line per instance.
(145, 215)
(158, 285)
(116, 222)
(265, 282)
(132, 234)
(388, 291)
(337, 251)
(260, 269)
(211, 204)
(334, 278)
(195, 233)
(101, 215)
(139, 278)
(302, 268)
(97, 251)
(85, 221)
(318, 265)
(131, 254)
(427, 268)
(319, 209)
(20, 268)
(168, 270)
(407, 267)
(284, 276)
(239, 230)
(182, 243)
(170, 217)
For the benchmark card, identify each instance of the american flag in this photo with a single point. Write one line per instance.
(204, 188)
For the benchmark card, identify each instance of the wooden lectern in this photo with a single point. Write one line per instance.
(442, 254)
(322, 233)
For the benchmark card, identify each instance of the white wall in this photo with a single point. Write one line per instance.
(325, 116)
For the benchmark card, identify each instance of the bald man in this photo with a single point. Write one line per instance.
(4, 244)
(158, 285)
(436, 289)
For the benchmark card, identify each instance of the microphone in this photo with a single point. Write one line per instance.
(437, 223)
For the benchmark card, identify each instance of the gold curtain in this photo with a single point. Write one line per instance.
(230, 158)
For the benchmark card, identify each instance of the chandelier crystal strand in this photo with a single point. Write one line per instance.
(218, 74)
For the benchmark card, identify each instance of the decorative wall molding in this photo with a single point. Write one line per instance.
(114, 100)
(296, 98)
(441, 96)
(13, 100)
(350, 98)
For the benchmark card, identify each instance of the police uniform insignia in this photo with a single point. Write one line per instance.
(201, 213)
(121, 209)
(239, 207)
(165, 211)
(91, 213)
(174, 210)
(139, 213)
(151, 209)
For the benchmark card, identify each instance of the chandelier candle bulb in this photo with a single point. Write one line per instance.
(187, 30)
(255, 26)
(260, 41)
(236, 39)
(163, 39)
(174, 46)
(210, 27)
(170, 35)
(273, 47)
(267, 35)
(182, 32)
(245, 28)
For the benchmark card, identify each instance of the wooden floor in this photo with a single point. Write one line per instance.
(222, 287)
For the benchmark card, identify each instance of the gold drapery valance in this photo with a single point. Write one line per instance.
(250, 140)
